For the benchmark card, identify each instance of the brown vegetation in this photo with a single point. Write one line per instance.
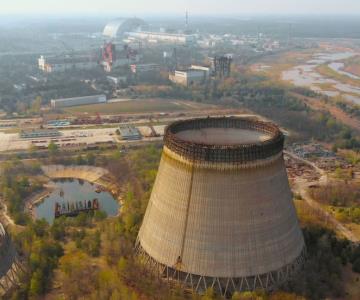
(343, 197)
(352, 65)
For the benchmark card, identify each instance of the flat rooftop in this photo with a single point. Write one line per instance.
(223, 136)
(129, 131)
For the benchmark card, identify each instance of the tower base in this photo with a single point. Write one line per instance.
(222, 286)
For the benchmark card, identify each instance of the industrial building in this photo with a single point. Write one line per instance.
(207, 70)
(113, 57)
(193, 75)
(144, 68)
(58, 123)
(66, 63)
(10, 266)
(43, 133)
(67, 102)
(221, 213)
(129, 132)
(162, 37)
(221, 65)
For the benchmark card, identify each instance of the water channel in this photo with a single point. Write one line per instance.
(306, 75)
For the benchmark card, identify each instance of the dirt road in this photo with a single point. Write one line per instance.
(301, 186)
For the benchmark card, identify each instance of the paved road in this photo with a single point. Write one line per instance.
(301, 186)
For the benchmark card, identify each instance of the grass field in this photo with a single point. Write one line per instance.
(136, 106)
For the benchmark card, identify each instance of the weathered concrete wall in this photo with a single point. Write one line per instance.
(221, 220)
(87, 173)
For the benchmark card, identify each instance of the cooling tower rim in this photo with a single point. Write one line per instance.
(229, 153)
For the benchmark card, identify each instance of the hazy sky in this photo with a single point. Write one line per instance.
(237, 7)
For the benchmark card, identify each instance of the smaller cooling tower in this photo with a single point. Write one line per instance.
(9, 263)
(221, 213)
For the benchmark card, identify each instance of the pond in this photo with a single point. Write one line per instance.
(73, 193)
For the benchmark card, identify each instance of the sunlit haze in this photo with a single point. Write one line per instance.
(233, 7)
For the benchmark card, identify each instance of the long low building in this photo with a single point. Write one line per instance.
(33, 134)
(67, 102)
(65, 63)
(161, 37)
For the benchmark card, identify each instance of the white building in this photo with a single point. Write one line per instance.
(207, 70)
(160, 37)
(189, 76)
(67, 102)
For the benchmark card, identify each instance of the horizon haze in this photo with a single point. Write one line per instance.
(200, 7)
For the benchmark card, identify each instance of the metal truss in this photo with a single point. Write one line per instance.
(12, 266)
(11, 279)
(223, 286)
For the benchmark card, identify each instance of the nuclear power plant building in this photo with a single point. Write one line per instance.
(221, 213)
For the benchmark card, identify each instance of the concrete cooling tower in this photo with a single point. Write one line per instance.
(9, 263)
(221, 213)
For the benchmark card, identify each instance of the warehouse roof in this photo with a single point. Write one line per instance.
(129, 132)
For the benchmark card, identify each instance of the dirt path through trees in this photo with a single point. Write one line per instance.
(301, 187)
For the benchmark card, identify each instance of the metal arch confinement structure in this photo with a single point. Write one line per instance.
(118, 27)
